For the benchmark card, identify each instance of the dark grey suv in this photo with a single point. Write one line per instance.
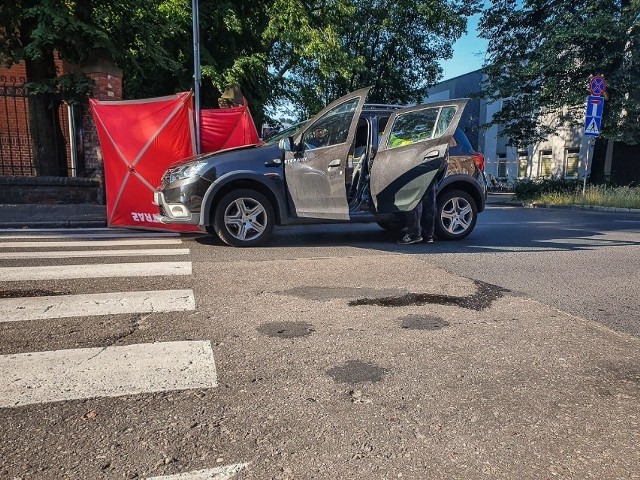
(352, 162)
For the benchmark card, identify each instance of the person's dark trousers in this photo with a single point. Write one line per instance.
(421, 220)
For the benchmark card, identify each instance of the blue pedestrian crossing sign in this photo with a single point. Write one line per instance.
(593, 118)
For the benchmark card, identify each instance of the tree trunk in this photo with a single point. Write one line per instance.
(48, 143)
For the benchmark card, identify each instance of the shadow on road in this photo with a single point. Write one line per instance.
(499, 229)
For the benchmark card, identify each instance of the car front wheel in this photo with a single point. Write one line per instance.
(457, 215)
(244, 218)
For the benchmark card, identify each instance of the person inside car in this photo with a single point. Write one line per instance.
(319, 138)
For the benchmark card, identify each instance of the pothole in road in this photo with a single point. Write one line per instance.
(355, 371)
(485, 295)
(286, 329)
(423, 322)
(30, 293)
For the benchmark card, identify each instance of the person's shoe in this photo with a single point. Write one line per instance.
(427, 239)
(409, 239)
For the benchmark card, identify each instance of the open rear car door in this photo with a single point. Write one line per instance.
(412, 151)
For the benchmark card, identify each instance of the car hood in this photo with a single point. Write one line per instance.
(248, 157)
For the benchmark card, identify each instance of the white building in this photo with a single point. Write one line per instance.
(562, 155)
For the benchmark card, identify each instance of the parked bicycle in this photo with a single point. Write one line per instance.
(498, 185)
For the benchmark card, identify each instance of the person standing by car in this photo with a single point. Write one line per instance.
(421, 221)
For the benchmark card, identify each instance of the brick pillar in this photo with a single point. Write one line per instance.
(108, 80)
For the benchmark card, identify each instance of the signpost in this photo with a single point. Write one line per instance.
(593, 117)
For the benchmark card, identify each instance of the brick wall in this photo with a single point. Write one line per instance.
(16, 158)
(108, 80)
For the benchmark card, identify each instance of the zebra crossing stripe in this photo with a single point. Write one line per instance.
(53, 376)
(66, 306)
(93, 243)
(65, 272)
(66, 233)
(95, 253)
(218, 473)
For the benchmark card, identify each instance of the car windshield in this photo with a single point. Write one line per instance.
(275, 137)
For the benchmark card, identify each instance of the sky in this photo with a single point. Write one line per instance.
(468, 52)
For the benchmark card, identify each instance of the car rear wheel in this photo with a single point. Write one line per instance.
(457, 215)
(244, 218)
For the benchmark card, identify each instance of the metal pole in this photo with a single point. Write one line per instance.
(72, 141)
(586, 166)
(196, 69)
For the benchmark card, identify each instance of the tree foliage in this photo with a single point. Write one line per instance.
(298, 52)
(324, 49)
(541, 55)
(155, 47)
(31, 31)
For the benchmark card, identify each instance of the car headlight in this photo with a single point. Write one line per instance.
(188, 170)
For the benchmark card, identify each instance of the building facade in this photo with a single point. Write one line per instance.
(566, 154)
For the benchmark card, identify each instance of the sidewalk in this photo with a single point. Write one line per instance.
(53, 216)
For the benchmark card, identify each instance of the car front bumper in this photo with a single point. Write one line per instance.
(174, 212)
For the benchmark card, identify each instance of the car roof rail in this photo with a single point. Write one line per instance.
(374, 106)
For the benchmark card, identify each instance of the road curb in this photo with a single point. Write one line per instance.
(593, 208)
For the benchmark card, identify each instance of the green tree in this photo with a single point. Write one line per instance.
(155, 47)
(541, 55)
(32, 30)
(324, 49)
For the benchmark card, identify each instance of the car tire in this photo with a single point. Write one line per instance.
(244, 218)
(456, 216)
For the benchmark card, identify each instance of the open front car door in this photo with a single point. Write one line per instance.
(412, 151)
(315, 166)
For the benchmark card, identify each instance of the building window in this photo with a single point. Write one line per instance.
(502, 165)
(546, 163)
(572, 163)
(523, 163)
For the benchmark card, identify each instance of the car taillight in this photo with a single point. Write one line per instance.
(478, 159)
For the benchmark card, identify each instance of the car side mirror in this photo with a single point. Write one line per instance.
(286, 144)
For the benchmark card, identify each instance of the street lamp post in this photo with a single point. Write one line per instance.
(196, 69)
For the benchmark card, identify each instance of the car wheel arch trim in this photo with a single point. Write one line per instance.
(461, 182)
(208, 206)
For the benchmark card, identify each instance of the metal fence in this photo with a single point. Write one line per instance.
(16, 145)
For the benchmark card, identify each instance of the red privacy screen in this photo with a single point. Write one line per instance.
(141, 138)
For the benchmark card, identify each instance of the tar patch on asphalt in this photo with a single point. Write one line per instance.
(331, 293)
(355, 371)
(485, 295)
(30, 293)
(423, 322)
(286, 329)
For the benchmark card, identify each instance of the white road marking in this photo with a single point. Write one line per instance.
(65, 306)
(53, 376)
(62, 272)
(95, 253)
(78, 235)
(93, 243)
(218, 473)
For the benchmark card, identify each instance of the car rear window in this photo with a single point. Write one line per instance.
(460, 144)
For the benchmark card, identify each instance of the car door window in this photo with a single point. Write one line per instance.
(420, 125)
(332, 128)
(444, 120)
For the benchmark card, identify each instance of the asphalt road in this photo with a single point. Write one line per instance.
(582, 262)
(333, 353)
